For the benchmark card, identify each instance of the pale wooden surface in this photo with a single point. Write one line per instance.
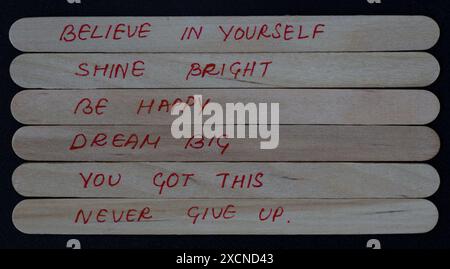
(301, 216)
(297, 106)
(342, 33)
(297, 70)
(340, 183)
(259, 180)
(297, 143)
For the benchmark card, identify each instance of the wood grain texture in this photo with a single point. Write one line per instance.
(165, 70)
(301, 216)
(255, 180)
(341, 33)
(297, 106)
(297, 143)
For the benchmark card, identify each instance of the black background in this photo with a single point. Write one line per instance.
(11, 10)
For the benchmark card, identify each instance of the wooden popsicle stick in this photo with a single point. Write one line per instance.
(226, 180)
(295, 216)
(225, 34)
(156, 143)
(297, 106)
(215, 70)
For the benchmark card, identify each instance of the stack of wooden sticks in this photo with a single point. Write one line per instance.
(347, 160)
